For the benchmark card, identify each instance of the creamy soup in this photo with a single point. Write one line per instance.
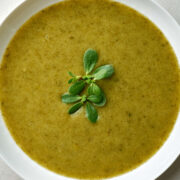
(142, 95)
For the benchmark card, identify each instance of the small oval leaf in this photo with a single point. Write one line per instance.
(75, 108)
(77, 87)
(95, 98)
(90, 60)
(94, 89)
(91, 112)
(71, 74)
(102, 102)
(70, 81)
(103, 72)
(69, 98)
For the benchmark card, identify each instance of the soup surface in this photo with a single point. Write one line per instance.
(142, 95)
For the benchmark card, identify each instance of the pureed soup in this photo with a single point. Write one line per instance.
(142, 95)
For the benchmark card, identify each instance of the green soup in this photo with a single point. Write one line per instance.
(142, 95)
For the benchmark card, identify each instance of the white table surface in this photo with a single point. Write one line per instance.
(173, 6)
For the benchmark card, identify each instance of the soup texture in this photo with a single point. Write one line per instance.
(142, 95)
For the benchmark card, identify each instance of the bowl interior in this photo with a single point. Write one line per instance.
(29, 169)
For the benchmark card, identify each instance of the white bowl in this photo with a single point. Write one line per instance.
(27, 168)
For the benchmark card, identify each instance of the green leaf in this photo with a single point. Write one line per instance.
(75, 108)
(91, 112)
(90, 60)
(95, 98)
(71, 74)
(70, 81)
(103, 72)
(77, 87)
(69, 98)
(102, 102)
(94, 89)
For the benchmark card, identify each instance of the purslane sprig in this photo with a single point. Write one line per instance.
(94, 95)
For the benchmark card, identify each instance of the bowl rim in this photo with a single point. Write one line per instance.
(152, 168)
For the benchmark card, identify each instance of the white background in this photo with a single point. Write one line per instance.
(173, 6)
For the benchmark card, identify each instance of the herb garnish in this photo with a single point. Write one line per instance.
(95, 95)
